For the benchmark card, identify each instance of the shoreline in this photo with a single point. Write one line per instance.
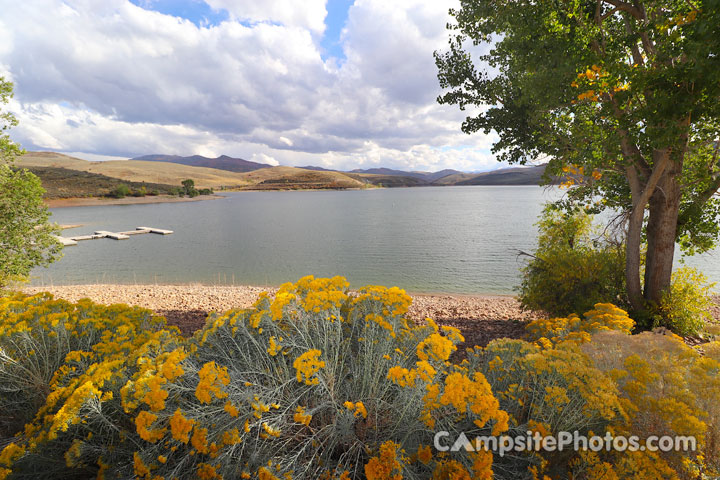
(481, 318)
(104, 201)
(266, 287)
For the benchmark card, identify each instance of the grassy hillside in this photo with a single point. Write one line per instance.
(66, 183)
(287, 178)
(56, 165)
(138, 171)
(504, 176)
(507, 176)
(454, 178)
(56, 169)
(389, 181)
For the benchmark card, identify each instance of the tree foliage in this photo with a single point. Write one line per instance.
(8, 149)
(26, 236)
(622, 98)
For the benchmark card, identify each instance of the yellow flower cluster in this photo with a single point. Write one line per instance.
(212, 381)
(474, 394)
(406, 377)
(604, 317)
(388, 465)
(143, 421)
(180, 427)
(301, 417)
(395, 301)
(436, 347)
(318, 294)
(307, 365)
(358, 408)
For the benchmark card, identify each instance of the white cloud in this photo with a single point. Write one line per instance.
(262, 158)
(307, 14)
(111, 78)
(94, 157)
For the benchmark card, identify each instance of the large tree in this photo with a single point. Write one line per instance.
(622, 97)
(26, 236)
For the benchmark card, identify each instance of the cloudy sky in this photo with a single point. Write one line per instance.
(335, 83)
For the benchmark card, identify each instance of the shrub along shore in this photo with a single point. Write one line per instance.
(318, 382)
(481, 318)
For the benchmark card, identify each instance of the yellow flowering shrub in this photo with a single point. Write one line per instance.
(604, 317)
(545, 390)
(295, 387)
(320, 382)
(39, 335)
(667, 388)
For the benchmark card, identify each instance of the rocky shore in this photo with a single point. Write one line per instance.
(480, 318)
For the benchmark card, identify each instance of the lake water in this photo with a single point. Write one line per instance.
(435, 239)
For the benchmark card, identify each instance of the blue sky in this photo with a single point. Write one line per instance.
(198, 12)
(335, 83)
(334, 22)
(203, 15)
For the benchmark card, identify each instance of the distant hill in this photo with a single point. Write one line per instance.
(61, 182)
(428, 177)
(58, 169)
(387, 177)
(506, 176)
(318, 169)
(55, 170)
(222, 162)
(389, 181)
(138, 171)
(380, 176)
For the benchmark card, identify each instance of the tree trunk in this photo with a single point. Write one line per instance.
(664, 207)
(640, 194)
(632, 257)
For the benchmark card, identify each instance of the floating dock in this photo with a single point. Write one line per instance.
(71, 241)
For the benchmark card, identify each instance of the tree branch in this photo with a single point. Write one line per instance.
(626, 7)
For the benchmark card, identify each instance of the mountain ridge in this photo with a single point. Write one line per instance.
(223, 162)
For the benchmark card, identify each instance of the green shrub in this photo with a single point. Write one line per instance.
(141, 192)
(573, 268)
(121, 191)
(685, 307)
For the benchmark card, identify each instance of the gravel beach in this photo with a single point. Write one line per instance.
(481, 318)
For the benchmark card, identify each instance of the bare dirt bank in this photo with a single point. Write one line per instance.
(94, 201)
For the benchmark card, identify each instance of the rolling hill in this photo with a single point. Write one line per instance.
(139, 171)
(506, 176)
(380, 176)
(60, 175)
(67, 183)
(172, 174)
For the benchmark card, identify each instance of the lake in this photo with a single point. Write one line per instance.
(434, 239)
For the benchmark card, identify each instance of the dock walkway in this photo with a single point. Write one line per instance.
(71, 241)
